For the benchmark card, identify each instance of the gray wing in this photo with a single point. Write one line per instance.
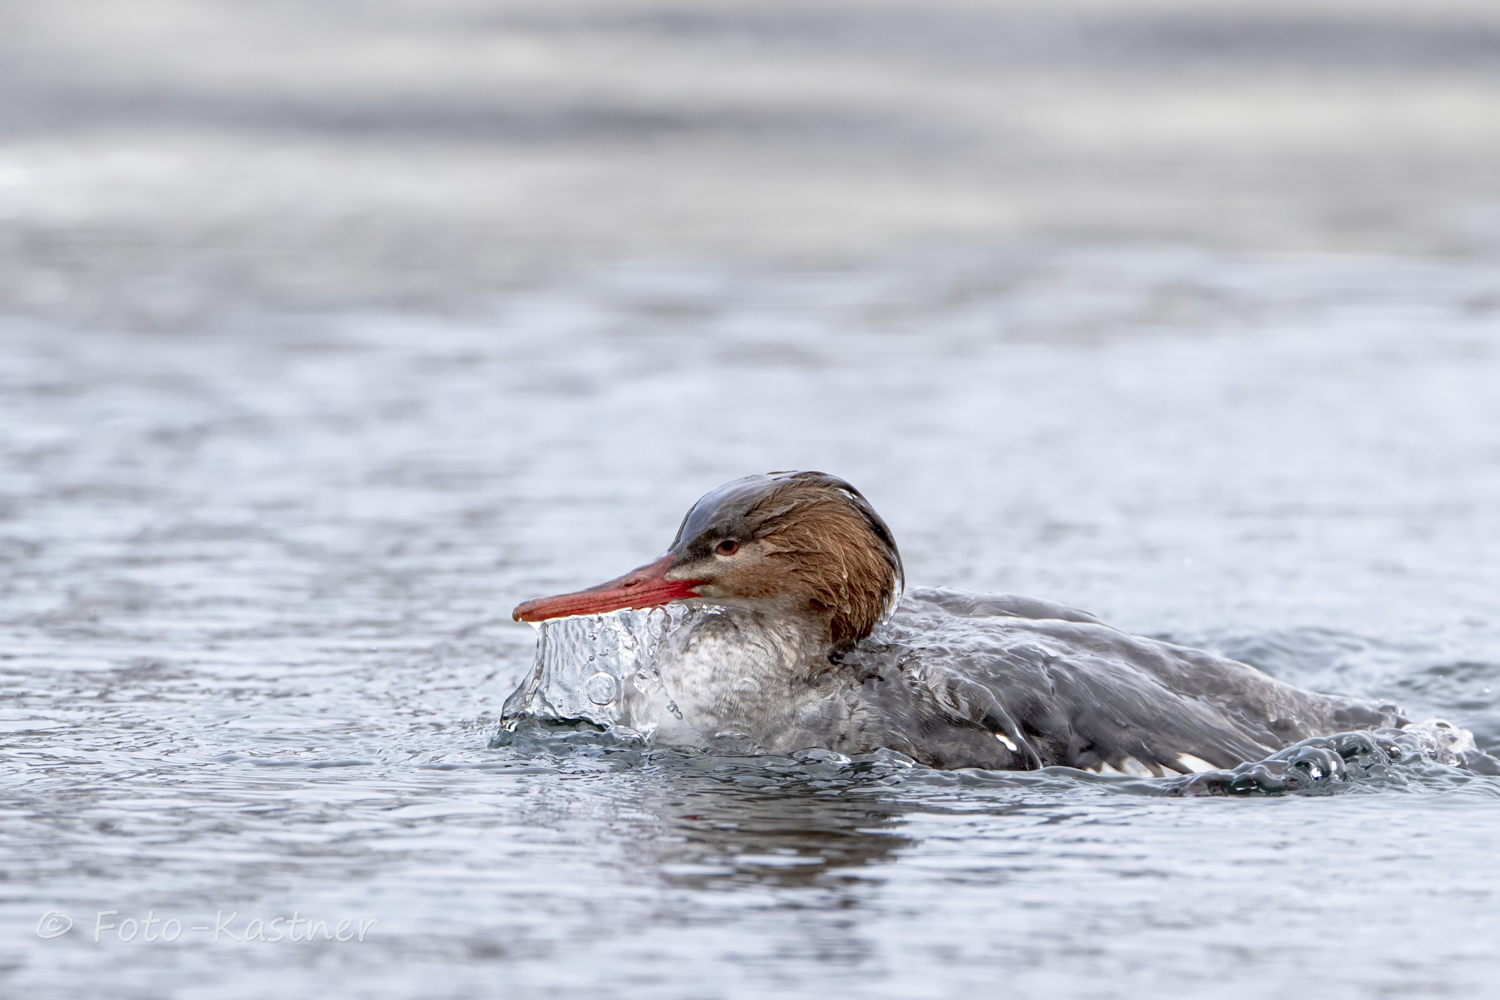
(1078, 693)
(956, 602)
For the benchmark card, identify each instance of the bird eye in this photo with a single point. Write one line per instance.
(727, 547)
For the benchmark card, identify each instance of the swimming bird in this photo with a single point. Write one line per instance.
(809, 640)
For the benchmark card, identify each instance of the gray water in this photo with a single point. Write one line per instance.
(258, 574)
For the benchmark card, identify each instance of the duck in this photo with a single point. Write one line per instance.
(793, 630)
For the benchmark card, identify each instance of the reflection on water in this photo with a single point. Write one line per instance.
(257, 579)
(787, 821)
(748, 824)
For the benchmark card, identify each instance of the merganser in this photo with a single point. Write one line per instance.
(805, 640)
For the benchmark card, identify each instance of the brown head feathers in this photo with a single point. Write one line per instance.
(801, 544)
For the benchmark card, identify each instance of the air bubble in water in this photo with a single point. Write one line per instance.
(601, 689)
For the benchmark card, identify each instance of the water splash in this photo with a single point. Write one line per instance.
(1384, 757)
(599, 669)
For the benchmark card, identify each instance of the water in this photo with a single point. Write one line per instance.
(256, 600)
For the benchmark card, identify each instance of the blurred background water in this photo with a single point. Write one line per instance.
(333, 331)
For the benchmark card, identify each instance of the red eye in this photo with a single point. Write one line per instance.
(727, 547)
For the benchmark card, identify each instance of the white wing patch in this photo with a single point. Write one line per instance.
(1129, 767)
(1194, 764)
(1007, 741)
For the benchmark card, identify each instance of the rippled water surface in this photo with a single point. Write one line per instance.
(258, 572)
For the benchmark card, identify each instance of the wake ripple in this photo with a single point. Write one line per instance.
(1430, 756)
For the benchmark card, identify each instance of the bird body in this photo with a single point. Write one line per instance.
(951, 680)
(783, 627)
